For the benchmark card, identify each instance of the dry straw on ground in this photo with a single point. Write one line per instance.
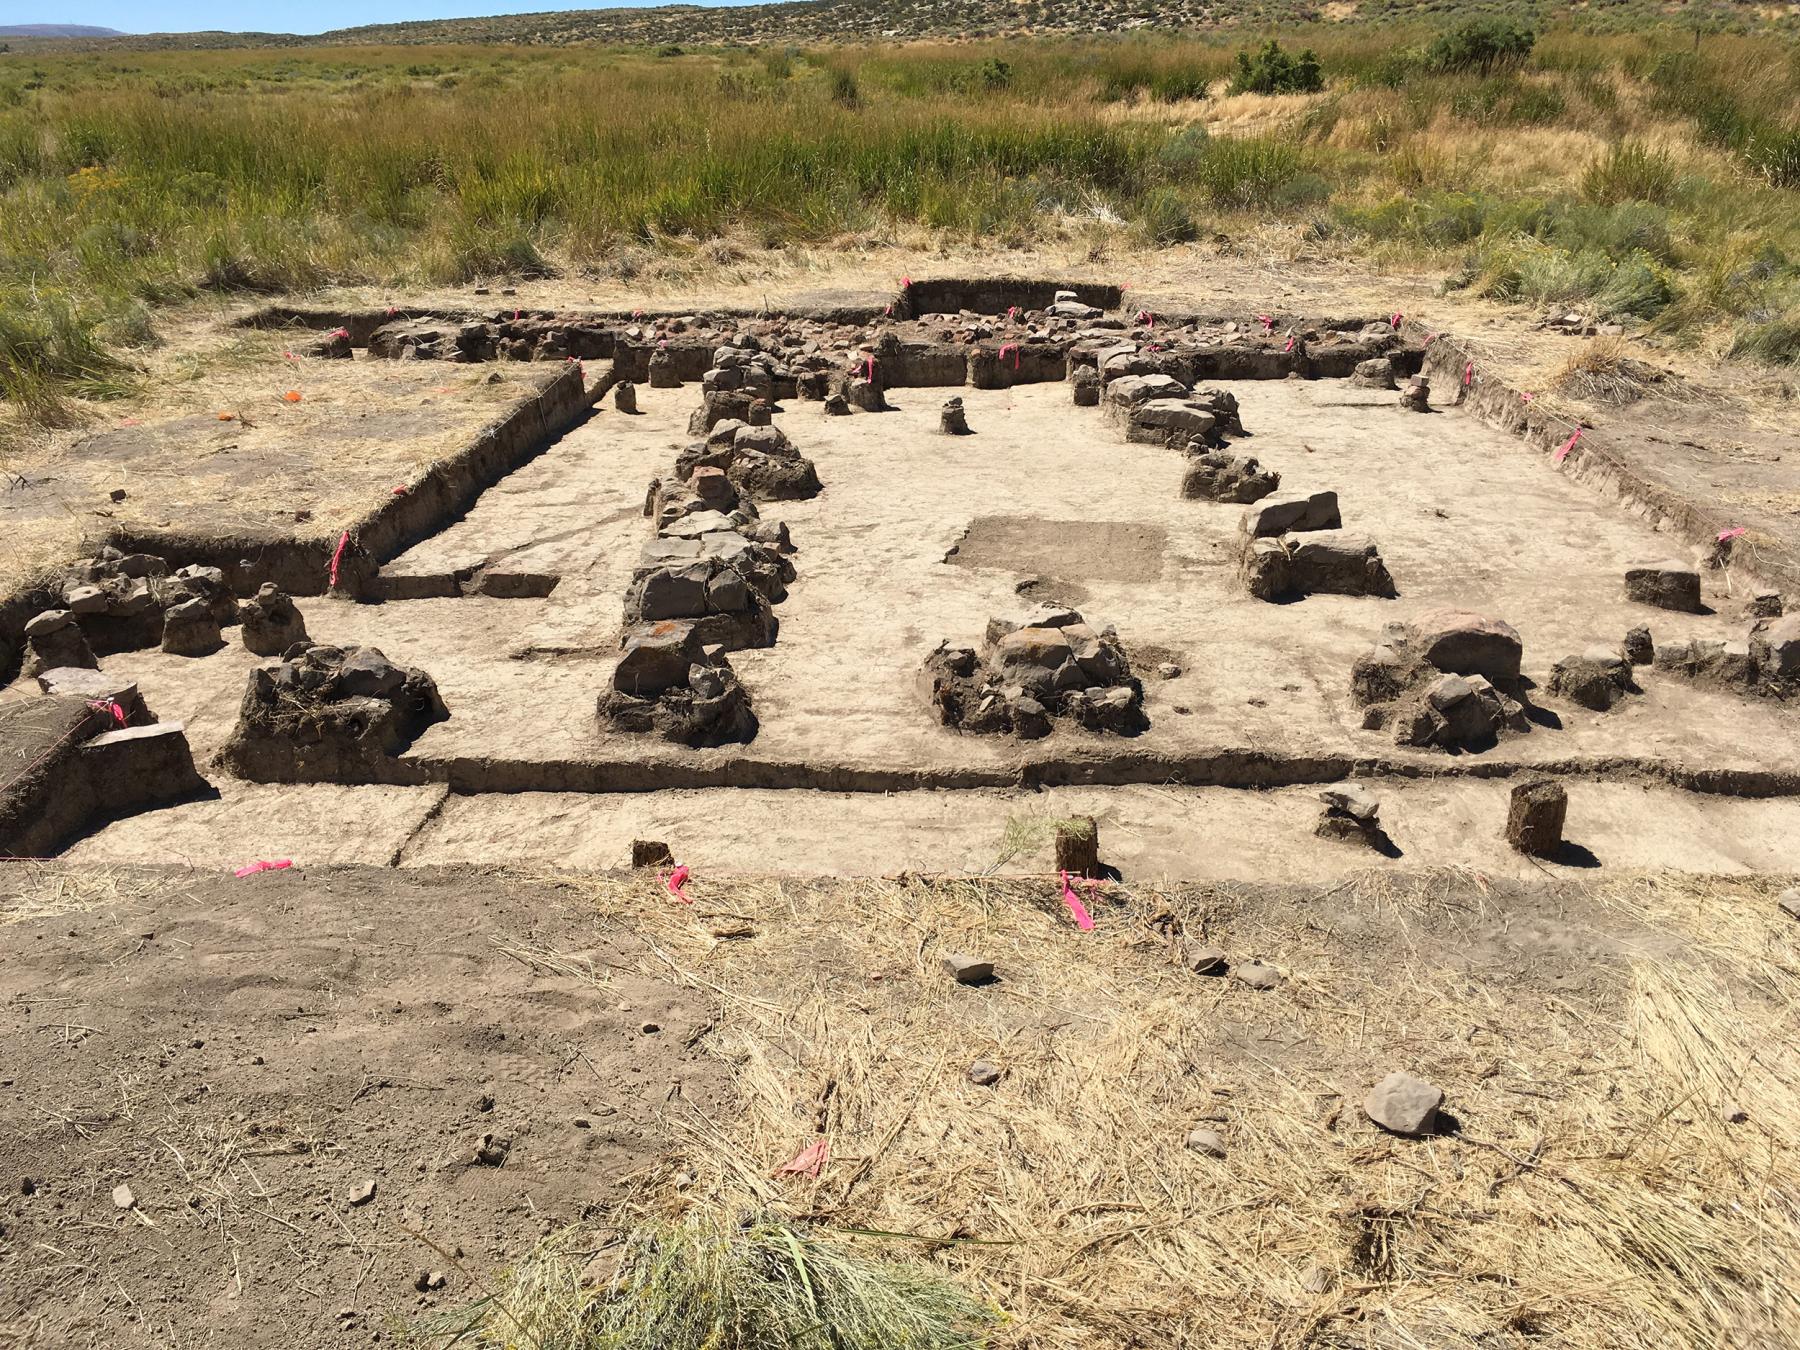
(1591, 1041)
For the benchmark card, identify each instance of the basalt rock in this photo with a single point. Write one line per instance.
(54, 639)
(1596, 678)
(1328, 562)
(1051, 664)
(330, 714)
(1291, 514)
(1084, 386)
(1667, 585)
(671, 683)
(189, 629)
(835, 405)
(952, 419)
(1219, 476)
(270, 622)
(1535, 816)
(1351, 814)
(1416, 397)
(625, 398)
(1375, 373)
(662, 372)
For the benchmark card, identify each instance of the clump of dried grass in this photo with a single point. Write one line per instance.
(706, 1282)
(1602, 372)
(32, 890)
(1592, 1195)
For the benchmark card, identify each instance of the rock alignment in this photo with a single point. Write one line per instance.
(1158, 409)
(1446, 681)
(1596, 678)
(330, 714)
(1766, 661)
(1667, 585)
(1046, 664)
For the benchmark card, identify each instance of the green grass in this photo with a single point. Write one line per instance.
(705, 1283)
(130, 180)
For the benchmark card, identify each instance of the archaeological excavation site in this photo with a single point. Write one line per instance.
(545, 765)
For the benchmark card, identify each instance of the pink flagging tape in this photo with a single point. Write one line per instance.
(1012, 312)
(400, 491)
(1146, 318)
(1562, 451)
(1468, 375)
(674, 882)
(251, 869)
(290, 356)
(889, 311)
(1395, 321)
(1725, 536)
(515, 314)
(637, 313)
(1012, 347)
(1527, 396)
(1083, 920)
(340, 332)
(1429, 339)
(391, 311)
(1267, 321)
(807, 1162)
(110, 707)
(906, 283)
(869, 369)
(337, 555)
(1290, 345)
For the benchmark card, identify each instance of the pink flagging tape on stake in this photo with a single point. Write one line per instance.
(252, 869)
(1267, 321)
(869, 370)
(391, 311)
(1429, 339)
(1012, 347)
(906, 283)
(1562, 451)
(337, 555)
(1012, 312)
(1468, 375)
(674, 881)
(340, 332)
(110, 707)
(1395, 321)
(807, 1162)
(889, 311)
(1146, 318)
(1290, 345)
(1083, 920)
(1725, 535)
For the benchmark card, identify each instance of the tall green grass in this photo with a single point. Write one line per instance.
(128, 181)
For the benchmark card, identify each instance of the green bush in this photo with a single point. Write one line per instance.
(1776, 156)
(1484, 45)
(1630, 172)
(844, 90)
(995, 73)
(1273, 71)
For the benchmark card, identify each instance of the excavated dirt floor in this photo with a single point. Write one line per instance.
(919, 538)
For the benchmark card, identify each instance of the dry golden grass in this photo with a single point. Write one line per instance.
(248, 459)
(1588, 1041)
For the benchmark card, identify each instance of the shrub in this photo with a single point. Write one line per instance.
(844, 90)
(1776, 156)
(1165, 218)
(1273, 71)
(1775, 340)
(995, 73)
(1484, 45)
(1630, 172)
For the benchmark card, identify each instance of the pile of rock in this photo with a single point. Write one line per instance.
(330, 714)
(672, 682)
(741, 363)
(270, 622)
(719, 580)
(1375, 373)
(1048, 663)
(1220, 476)
(1416, 397)
(1160, 410)
(1448, 680)
(118, 601)
(758, 460)
(1767, 661)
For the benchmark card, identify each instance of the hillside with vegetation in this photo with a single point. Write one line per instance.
(1643, 176)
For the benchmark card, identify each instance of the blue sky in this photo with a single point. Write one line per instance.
(282, 16)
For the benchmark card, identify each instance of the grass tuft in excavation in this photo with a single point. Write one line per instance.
(708, 1282)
